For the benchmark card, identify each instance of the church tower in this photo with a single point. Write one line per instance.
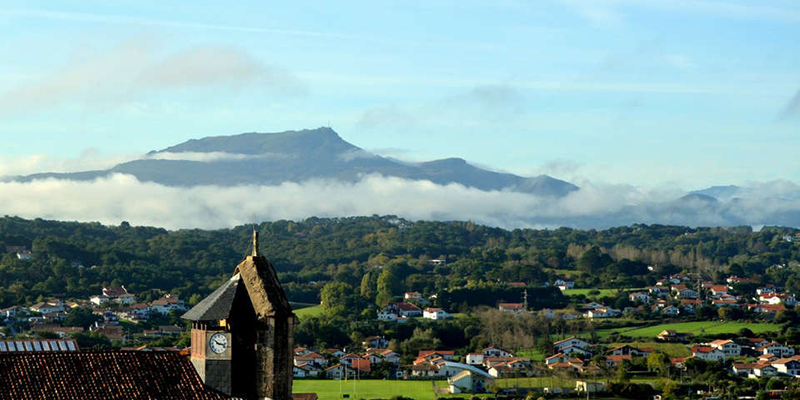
(242, 334)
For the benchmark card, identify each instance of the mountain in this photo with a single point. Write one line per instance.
(719, 192)
(297, 156)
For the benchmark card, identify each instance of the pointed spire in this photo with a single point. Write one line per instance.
(255, 242)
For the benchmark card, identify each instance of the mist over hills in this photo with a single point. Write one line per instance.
(299, 156)
(224, 181)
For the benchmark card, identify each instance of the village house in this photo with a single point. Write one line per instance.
(788, 366)
(603, 312)
(167, 304)
(557, 359)
(780, 350)
(778, 298)
(613, 361)
(474, 359)
(447, 355)
(570, 342)
(495, 352)
(729, 347)
(674, 336)
(436, 314)
(412, 296)
(470, 381)
(639, 297)
(48, 307)
(514, 308)
(390, 356)
(670, 311)
(375, 342)
(708, 353)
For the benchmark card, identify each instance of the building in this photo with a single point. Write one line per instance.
(375, 342)
(436, 314)
(560, 345)
(79, 375)
(589, 387)
(708, 353)
(412, 296)
(470, 381)
(496, 352)
(788, 366)
(514, 308)
(242, 334)
(780, 350)
(729, 347)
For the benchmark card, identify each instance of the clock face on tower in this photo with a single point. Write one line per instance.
(218, 342)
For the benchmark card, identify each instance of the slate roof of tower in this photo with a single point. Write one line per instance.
(217, 305)
(101, 375)
(263, 287)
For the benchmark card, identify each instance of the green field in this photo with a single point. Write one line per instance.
(533, 354)
(585, 292)
(695, 327)
(421, 390)
(367, 389)
(307, 310)
(670, 349)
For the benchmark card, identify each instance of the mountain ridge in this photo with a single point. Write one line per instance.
(297, 156)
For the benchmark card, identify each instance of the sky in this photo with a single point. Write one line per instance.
(622, 92)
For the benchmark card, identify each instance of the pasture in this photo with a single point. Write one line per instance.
(698, 328)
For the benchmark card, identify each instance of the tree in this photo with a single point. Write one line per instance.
(659, 363)
(81, 317)
(339, 298)
(623, 371)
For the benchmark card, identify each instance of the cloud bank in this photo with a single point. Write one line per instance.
(120, 197)
(138, 67)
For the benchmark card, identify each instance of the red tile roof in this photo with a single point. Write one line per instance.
(101, 375)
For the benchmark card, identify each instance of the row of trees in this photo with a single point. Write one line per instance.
(381, 256)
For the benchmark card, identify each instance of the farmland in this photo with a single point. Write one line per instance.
(307, 310)
(367, 389)
(695, 327)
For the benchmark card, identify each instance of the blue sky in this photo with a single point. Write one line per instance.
(686, 93)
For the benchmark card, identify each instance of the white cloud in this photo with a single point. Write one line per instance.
(121, 197)
(354, 154)
(89, 159)
(212, 156)
(128, 72)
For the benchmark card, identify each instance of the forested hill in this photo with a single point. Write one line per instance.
(76, 259)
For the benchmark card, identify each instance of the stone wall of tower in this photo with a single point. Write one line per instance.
(274, 358)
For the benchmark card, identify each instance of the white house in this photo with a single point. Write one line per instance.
(564, 285)
(412, 296)
(514, 308)
(469, 381)
(708, 353)
(99, 299)
(789, 366)
(436, 314)
(475, 358)
(167, 304)
(387, 314)
(764, 370)
(495, 352)
(47, 307)
(570, 342)
(729, 347)
(780, 350)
